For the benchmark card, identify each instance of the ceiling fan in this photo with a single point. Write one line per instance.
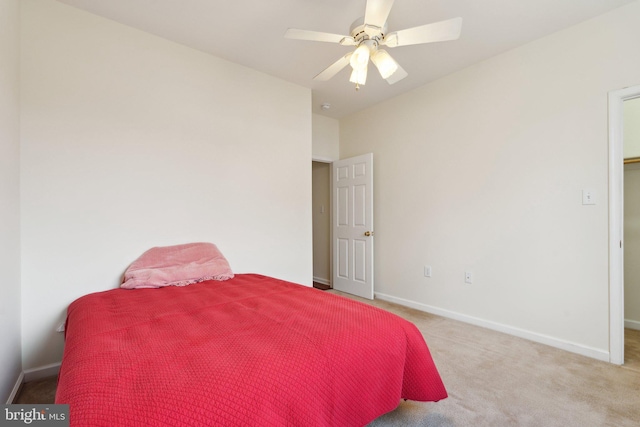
(368, 34)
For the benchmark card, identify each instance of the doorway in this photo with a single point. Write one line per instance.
(321, 214)
(631, 231)
(616, 222)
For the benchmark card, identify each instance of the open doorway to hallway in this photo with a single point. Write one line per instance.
(617, 319)
(321, 208)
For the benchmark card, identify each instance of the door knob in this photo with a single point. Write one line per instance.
(368, 233)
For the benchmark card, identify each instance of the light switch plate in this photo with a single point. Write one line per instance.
(588, 197)
(427, 271)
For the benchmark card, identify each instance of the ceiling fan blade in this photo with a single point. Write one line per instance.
(429, 33)
(397, 76)
(377, 12)
(334, 68)
(317, 36)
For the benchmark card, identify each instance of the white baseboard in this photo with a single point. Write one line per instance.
(583, 350)
(41, 372)
(16, 387)
(33, 374)
(632, 324)
(322, 281)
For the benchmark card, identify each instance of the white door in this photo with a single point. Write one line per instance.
(353, 225)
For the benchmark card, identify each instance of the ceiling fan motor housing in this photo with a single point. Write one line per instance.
(360, 32)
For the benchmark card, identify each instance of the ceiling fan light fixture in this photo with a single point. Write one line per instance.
(369, 33)
(359, 76)
(385, 63)
(360, 58)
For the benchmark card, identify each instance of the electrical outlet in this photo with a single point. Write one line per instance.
(468, 277)
(427, 271)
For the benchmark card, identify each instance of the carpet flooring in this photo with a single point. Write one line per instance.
(497, 380)
(37, 392)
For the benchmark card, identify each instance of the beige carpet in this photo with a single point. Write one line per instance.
(40, 391)
(494, 379)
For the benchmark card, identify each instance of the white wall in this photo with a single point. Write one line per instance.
(130, 141)
(326, 138)
(10, 355)
(483, 170)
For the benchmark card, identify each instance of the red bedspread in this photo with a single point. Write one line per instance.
(250, 351)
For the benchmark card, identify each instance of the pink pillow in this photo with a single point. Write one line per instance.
(178, 265)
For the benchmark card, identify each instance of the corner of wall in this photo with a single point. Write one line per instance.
(326, 138)
(10, 286)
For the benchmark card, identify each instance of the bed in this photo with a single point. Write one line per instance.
(248, 351)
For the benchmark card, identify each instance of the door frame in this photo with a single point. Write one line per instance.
(616, 220)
